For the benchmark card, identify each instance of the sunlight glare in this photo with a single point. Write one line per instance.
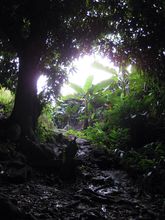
(41, 83)
(84, 68)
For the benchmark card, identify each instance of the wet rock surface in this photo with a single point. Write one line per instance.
(95, 192)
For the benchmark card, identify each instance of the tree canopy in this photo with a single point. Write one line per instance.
(136, 34)
(129, 31)
(57, 31)
(44, 36)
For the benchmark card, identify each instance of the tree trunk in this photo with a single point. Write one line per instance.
(25, 111)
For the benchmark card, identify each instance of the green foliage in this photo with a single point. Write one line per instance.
(128, 117)
(146, 159)
(88, 83)
(67, 112)
(128, 113)
(100, 66)
(145, 165)
(77, 88)
(138, 162)
(62, 30)
(8, 70)
(59, 32)
(90, 96)
(45, 127)
(75, 133)
(119, 138)
(6, 101)
(103, 85)
(160, 151)
(95, 133)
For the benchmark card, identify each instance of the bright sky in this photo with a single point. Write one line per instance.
(84, 69)
(41, 83)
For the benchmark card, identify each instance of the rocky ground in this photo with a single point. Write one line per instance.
(97, 189)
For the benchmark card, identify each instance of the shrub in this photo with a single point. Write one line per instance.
(6, 101)
(95, 133)
(145, 165)
(119, 138)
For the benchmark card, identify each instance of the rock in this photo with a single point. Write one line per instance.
(154, 181)
(9, 211)
(49, 156)
(102, 158)
(99, 151)
(18, 172)
(38, 156)
(103, 180)
(96, 194)
(82, 142)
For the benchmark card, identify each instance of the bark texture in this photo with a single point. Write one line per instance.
(26, 107)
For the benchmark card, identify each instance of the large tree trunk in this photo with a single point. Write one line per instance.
(25, 111)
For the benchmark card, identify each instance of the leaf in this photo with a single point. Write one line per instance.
(102, 67)
(87, 3)
(70, 96)
(102, 85)
(77, 88)
(100, 100)
(93, 116)
(89, 107)
(88, 83)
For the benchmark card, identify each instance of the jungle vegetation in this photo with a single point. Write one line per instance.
(44, 37)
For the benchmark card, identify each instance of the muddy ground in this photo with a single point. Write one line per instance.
(98, 190)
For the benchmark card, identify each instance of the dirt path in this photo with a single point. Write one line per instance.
(96, 193)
